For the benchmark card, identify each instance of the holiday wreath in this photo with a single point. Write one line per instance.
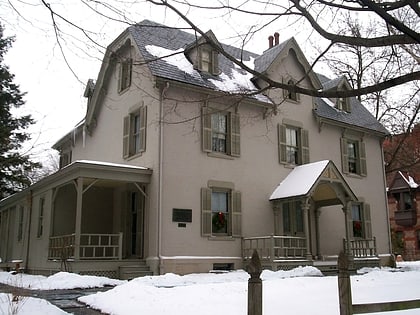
(219, 220)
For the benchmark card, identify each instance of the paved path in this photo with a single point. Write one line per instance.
(64, 299)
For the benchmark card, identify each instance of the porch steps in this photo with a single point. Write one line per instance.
(328, 268)
(139, 269)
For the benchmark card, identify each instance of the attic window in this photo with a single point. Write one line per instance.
(291, 95)
(124, 80)
(208, 60)
(343, 104)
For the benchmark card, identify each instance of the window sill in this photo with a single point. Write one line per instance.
(132, 157)
(220, 155)
(221, 238)
(354, 175)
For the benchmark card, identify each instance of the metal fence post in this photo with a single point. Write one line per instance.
(254, 286)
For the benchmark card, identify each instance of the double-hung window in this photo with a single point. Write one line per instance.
(220, 132)
(134, 132)
(353, 157)
(404, 201)
(293, 145)
(220, 212)
(291, 95)
(20, 222)
(124, 79)
(208, 60)
(360, 221)
(40, 217)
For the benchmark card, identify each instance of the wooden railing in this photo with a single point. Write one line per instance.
(362, 248)
(275, 248)
(92, 246)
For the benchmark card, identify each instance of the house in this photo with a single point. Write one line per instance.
(181, 165)
(404, 193)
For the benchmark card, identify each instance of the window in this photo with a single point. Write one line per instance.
(220, 212)
(343, 104)
(20, 223)
(291, 95)
(65, 159)
(418, 238)
(293, 218)
(404, 201)
(360, 220)
(353, 157)
(40, 217)
(124, 80)
(293, 145)
(221, 132)
(208, 60)
(134, 132)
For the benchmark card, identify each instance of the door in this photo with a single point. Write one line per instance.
(134, 225)
(293, 223)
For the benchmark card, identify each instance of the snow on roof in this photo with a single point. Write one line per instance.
(299, 181)
(410, 180)
(110, 164)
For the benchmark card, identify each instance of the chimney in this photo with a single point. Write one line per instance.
(270, 41)
(276, 38)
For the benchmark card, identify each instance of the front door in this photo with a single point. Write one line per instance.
(134, 225)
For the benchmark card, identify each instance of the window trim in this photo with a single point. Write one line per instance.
(302, 142)
(125, 74)
(361, 165)
(366, 222)
(41, 214)
(233, 137)
(234, 230)
(130, 135)
(213, 62)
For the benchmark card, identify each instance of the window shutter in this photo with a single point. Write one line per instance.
(285, 92)
(305, 146)
(367, 223)
(126, 137)
(235, 136)
(120, 74)
(215, 62)
(282, 143)
(362, 156)
(206, 212)
(206, 129)
(199, 58)
(344, 156)
(236, 214)
(129, 71)
(143, 127)
(349, 221)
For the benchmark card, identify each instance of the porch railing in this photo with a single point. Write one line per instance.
(92, 246)
(363, 248)
(275, 248)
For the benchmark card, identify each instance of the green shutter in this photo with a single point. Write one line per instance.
(344, 156)
(282, 143)
(236, 214)
(362, 156)
(235, 135)
(143, 127)
(367, 223)
(206, 129)
(126, 137)
(206, 212)
(305, 145)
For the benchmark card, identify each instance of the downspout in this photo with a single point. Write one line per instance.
(26, 259)
(386, 198)
(160, 179)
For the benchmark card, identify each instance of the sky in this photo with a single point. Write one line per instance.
(283, 292)
(53, 73)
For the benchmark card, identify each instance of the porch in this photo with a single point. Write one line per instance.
(287, 252)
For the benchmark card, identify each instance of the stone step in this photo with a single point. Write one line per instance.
(134, 271)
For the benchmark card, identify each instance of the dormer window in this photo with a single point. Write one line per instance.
(207, 60)
(343, 104)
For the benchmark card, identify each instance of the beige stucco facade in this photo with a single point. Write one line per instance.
(173, 168)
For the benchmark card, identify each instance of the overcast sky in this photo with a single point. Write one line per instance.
(55, 89)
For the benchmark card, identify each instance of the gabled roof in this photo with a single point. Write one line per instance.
(358, 117)
(403, 181)
(311, 180)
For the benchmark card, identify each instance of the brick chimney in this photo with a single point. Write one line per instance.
(270, 41)
(276, 38)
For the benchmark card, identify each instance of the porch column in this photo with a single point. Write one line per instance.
(78, 227)
(318, 245)
(305, 208)
(346, 210)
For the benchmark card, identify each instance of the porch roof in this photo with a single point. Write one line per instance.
(318, 180)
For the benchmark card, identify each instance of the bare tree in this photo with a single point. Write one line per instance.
(396, 24)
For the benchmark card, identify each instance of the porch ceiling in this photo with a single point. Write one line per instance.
(321, 181)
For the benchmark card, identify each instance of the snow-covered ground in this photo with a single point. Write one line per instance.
(300, 291)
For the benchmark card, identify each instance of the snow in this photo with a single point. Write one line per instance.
(299, 181)
(283, 291)
(410, 180)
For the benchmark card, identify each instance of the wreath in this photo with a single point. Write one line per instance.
(219, 220)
